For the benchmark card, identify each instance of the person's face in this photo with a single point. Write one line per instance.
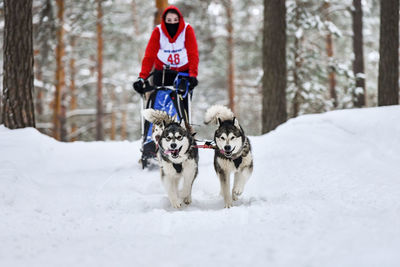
(171, 18)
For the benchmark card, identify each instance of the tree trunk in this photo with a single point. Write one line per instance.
(274, 65)
(388, 80)
(230, 46)
(73, 104)
(160, 5)
(124, 115)
(38, 90)
(113, 115)
(124, 125)
(60, 73)
(18, 107)
(136, 28)
(43, 41)
(329, 51)
(298, 62)
(99, 115)
(358, 63)
(63, 114)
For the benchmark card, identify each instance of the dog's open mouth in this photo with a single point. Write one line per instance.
(175, 152)
(229, 153)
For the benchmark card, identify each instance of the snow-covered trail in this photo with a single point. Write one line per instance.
(325, 192)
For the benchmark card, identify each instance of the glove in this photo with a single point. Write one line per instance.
(138, 86)
(192, 82)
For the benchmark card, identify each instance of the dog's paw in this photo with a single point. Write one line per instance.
(235, 196)
(236, 192)
(176, 204)
(228, 205)
(187, 200)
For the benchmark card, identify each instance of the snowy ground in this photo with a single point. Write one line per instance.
(325, 192)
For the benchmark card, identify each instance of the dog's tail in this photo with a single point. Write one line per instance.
(218, 112)
(158, 116)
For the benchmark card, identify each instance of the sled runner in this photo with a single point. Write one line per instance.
(174, 99)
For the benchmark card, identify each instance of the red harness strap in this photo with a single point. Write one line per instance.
(205, 146)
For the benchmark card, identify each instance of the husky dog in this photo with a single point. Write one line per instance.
(178, 156)
(158, 118)
(233, 152)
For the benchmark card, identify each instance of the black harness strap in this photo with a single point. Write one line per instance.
(177, 167)
(237, 161)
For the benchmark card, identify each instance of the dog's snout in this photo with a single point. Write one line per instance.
(173, 145)
(227, 148)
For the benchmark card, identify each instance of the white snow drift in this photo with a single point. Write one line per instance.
(325, 192)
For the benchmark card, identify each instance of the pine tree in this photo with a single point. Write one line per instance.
(230, 47)
(72, 88)
(388, 82)
(99, 105)
(59, 112)
(358, 63)
(329, 51)
(18, 107)
(160, 5)
(274, 65)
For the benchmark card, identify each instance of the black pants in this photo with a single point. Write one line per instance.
(169, 77)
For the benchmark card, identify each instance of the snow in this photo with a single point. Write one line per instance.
(299, 33)
(324, 192)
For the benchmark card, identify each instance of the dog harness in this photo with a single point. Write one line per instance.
(237, 161)
(177, 167)
(173, 54)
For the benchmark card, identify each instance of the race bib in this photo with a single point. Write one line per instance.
(173, 54)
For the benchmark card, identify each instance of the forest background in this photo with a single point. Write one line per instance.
(81, 47)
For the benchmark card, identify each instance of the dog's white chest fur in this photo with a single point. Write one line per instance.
(226, 164)
(229, 166)
(170, 171)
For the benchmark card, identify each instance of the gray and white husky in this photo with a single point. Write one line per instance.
(233, 152)
(177, 154)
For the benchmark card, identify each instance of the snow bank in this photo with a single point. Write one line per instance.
(325, 192)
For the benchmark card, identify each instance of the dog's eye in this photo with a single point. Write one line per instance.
(222, 138)
(180, 137)
(168, 138)
(232, 137)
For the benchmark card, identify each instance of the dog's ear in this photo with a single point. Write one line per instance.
(219, 122)
(182, 123)
(236, 123)
(174, 117)
(164, 124)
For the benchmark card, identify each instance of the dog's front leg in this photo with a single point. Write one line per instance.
(188, 178)
(171, 186)
(241, 178)
(224, 179)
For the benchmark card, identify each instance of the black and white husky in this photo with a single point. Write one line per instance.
(233, 152)
(177, 154)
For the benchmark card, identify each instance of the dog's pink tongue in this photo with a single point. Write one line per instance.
(173, 151)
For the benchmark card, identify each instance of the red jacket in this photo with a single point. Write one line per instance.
(150, 57)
